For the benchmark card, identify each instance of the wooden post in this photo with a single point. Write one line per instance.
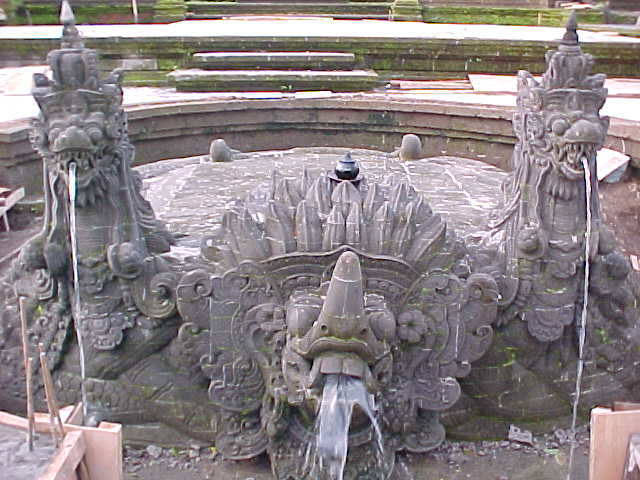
(52, 403)
(30, 411)
(28, 368)
(67, 459)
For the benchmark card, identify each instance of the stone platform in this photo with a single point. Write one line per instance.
(191, 194)
(467, 119)
(412, 50)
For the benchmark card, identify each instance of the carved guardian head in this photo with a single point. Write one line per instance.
(81, 120)
(329, 277)
(558, 121)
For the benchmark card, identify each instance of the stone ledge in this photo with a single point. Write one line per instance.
(172, 130)
(197, 80)
(272, 60)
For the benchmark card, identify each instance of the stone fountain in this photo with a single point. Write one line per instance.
(322, 297)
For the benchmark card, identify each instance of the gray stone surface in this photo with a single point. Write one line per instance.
(16, 461)
(191, 194)
(343, 271)
(198, 80)
(274, 60)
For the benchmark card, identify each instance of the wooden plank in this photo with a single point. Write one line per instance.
(103, 445)
(632, 466)
(103, 455)
(620, 406)
(610, 432)
(66, 461)
(13, 198)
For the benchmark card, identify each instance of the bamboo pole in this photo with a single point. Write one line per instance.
(28, 370)
(54, 411)
(52, 403)
(30, 411)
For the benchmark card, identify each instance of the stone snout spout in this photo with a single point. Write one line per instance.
(341, 339)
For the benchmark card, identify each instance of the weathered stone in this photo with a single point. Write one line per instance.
(273, 60)
(320, 278)
(196, 80)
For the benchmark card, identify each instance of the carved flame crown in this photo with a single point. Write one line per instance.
(75, 69)
(567, 82)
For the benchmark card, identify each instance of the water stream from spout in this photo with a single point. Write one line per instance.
(326, 457)
(76, 308)
(582, 329)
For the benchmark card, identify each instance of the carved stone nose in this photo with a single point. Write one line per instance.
(585, 131)
(72, 138)
(342, 314)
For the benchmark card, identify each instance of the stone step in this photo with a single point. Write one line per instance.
(491, 3)
(210, 10)
(274, 60)
(198, 80)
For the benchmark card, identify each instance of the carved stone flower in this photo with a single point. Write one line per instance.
(411, 326)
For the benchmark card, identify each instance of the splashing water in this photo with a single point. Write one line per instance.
(76, 279)
(326, 457)
(583, 320)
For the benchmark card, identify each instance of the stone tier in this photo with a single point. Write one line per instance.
(274, 60)
(356, 10)
(492, 3)
(624, 4)
(198, 80)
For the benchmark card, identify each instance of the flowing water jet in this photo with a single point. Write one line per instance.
(582, 327)
(76, 306)
(327, 455)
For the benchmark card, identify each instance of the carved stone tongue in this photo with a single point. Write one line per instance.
(342, 314)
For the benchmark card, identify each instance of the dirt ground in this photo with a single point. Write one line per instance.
(546, 459)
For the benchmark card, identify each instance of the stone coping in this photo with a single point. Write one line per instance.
(175, 129)
(317, 28)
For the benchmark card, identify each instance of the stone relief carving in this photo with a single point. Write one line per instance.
(540, 266)
(325, 298)
(316, 277)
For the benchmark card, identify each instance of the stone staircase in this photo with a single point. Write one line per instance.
(273, 71)
(340, 9)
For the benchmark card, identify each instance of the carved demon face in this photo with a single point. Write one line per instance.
(576, 130)
(335, 334)
(79, 133)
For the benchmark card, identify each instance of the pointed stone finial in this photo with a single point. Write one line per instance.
(66, 14)
(70, 34)
(571, 34)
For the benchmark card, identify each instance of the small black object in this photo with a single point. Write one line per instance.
(347, 168)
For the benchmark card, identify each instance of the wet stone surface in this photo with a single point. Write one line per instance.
(16, 461)
(191, 194)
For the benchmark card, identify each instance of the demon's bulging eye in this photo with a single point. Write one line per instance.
(95, 133)
(559, 126)
(53, 134)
